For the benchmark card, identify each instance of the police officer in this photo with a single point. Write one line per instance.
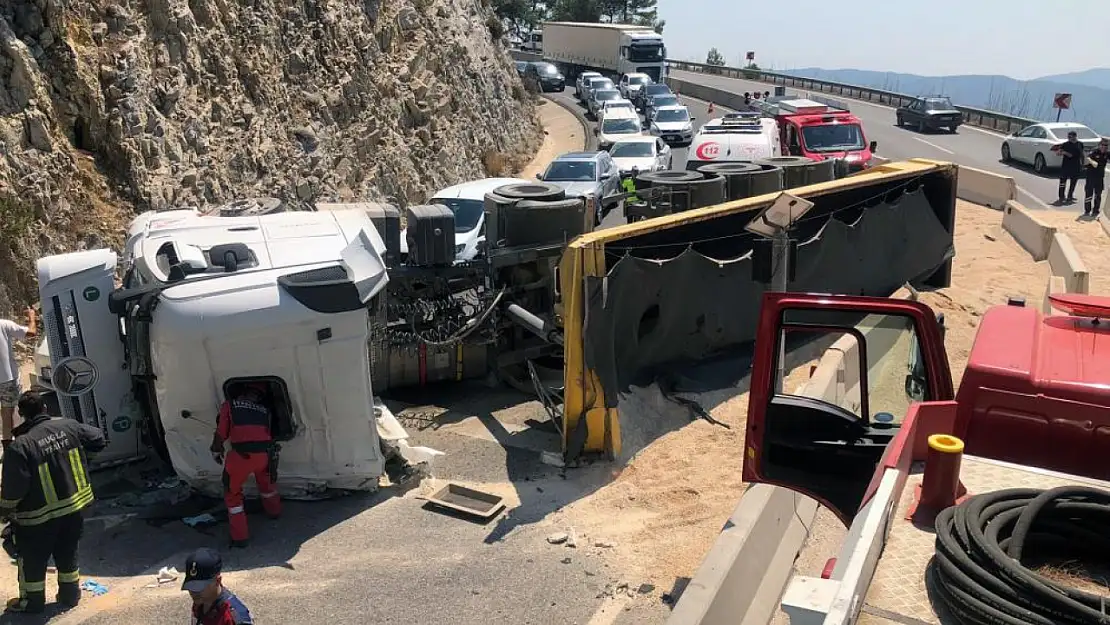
(45, 487)
(244, 421)
(1071, 153)
(1096, 178)
(213, 603)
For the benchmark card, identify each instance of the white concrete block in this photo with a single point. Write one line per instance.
(983, 187)
(1028, 230)
(1066, 262)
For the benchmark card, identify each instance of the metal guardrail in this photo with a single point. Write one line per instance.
(972, 116)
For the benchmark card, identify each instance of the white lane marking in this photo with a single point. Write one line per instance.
(1033, 197)
(609, 610)
(933, 145)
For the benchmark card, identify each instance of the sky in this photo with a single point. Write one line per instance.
(1016, 38)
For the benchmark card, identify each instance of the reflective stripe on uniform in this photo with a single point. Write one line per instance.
(26, 586)
(79, 476)
(57, 509)
(48, 491)
(9, 503)
(69, 578)
(235, 510)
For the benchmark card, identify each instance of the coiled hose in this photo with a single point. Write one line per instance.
(977, 572)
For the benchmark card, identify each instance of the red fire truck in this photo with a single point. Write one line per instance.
(819, 129)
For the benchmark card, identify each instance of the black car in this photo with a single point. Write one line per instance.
(647, 92)
(930, 113)
(545, 75)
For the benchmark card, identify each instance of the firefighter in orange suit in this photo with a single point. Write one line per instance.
(244, 422)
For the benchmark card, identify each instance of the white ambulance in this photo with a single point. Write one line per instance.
(736, 137)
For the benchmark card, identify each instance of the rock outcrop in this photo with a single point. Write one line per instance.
(112, 106)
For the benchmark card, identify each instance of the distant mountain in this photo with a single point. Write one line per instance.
(1097, 77)
(1028, 98)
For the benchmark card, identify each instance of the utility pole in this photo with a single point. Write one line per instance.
(775, 223)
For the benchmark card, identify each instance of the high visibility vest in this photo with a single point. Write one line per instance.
(250, 426)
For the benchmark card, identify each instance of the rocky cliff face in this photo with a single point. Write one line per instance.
(112, 106)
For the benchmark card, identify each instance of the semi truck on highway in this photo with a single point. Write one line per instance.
(1032, 414)
(610, 49)
(819, 130)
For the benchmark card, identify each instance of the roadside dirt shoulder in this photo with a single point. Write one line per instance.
(562, 133)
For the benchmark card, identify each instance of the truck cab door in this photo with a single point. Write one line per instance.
(851, 368)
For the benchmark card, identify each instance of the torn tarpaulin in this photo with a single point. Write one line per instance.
(646, 314)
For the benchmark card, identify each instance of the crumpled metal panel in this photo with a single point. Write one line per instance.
(647, 314)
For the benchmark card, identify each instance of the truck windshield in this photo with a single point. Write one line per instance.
(467, 212)
(673, 115)
(570, 171)
(620, 126)
(938, 104)
(645, 53)
(833, 138)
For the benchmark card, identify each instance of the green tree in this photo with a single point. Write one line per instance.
(521, 16)
(577, 11)
(639, 12)
(714, 57)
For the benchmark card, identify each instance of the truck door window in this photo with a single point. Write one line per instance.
(848, 381)
(283, 425)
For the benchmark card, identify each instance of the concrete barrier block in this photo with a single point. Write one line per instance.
(1028, 230)
(1055, 284)
(983, 187)
(1066, 262)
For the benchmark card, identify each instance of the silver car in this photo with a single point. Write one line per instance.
(592, 175)
(1033, 144)
(582, 82)
(596, 84)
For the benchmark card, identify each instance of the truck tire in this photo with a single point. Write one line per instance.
(669, 176)
(799, 171)
(744, 180)
(539, 191)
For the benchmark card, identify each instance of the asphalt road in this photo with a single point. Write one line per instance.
(970, 146)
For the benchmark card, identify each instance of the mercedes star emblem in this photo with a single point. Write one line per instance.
(74, 376)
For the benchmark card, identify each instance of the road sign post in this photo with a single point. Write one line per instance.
(1060, 102)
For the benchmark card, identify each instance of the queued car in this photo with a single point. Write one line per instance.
(617, 125)
(582, 82)
(600, 96)
(662, 100)
(672, 124)
(592, 175)
(597, 84)
(931, 113)
(545, 76)
(645, 93)
(642, 153)
(620, 104)
(466, 200)
(520, 67)
(631, 83)
(1033, 144)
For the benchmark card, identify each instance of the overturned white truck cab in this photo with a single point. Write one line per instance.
(206, 302)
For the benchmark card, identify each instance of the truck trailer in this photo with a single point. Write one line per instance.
(610, 49)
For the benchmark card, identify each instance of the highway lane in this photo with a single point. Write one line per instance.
(973, 147)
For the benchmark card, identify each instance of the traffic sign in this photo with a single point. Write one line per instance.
(1061, 101)
(751, 55)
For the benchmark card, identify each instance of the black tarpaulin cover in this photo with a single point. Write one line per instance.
(647, 315)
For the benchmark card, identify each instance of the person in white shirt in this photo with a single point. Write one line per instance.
(10, 332)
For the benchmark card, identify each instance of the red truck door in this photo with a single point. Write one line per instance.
(852, 367)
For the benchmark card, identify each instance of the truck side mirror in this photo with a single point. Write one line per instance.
(874, 146)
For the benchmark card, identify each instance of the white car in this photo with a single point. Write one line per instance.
(631, 83)
(582, 83)
(673, 124)
(598, 97)
(619, 104)
(1032, 145)
(642, 153)
(615, 126)
(466, 200)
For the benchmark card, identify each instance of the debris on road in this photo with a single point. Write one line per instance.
(165, 575)
(95, 587)
(468, 501)
(200, 519)
(558, 538)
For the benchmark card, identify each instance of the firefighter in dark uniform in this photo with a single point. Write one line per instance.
(244, 422)
(45, 487)
(1096, 178)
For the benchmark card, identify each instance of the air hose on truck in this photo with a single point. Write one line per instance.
(977, 572)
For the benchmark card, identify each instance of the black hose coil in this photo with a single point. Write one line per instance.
(977, 572)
